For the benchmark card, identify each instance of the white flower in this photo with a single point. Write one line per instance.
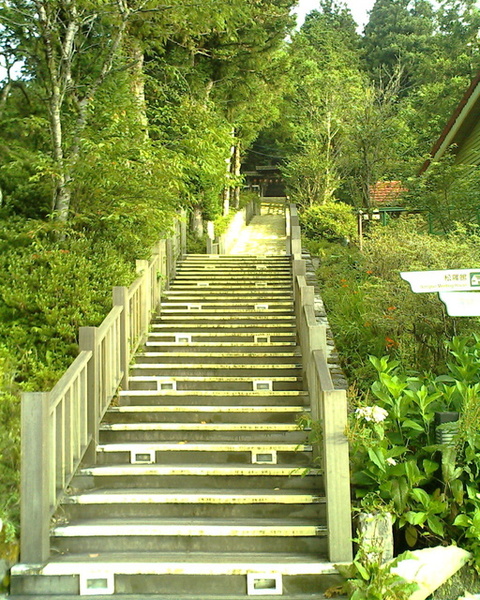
(376, 414)
(391, 461)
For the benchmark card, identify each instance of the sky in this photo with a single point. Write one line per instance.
(359, 10)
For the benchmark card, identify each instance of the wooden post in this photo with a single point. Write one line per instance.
(37, 473)
(183, 234)
(88, 342)
(337, 476)
(142, 269)
(120, 298)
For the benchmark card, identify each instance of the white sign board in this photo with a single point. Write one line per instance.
(461, 304)
(454, 280)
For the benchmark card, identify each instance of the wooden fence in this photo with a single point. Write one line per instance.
(329, 406)
(60, 427)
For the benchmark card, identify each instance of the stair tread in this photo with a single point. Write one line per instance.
(221, 366)
(176, 426)
(204, 446)
(221, 563)
(208, 408)
(205, 496)
(228, 393)
(192, 526)
(291, 354)
(201, 469)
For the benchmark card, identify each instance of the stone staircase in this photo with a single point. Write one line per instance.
(204, 485)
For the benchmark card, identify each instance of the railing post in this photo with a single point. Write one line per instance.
(337, 475)
(36, 478)
(210, 237)
(120, 298)
(142, 269)
(88, 341)
(183, 242)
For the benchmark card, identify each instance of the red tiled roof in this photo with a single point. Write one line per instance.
(386, 192)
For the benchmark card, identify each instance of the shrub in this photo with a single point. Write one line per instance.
(333, 221)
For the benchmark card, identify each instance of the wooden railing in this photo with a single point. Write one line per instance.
(329, 406)
(60, 427)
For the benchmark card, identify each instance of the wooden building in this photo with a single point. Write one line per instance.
(462, 132)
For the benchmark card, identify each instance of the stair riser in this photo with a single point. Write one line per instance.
(203, 417)
(98, 544)
(313, 484)
(220, 343)
(260, 372)
(235, 362)
(217, 458)
(157, 368)
(246, 386)
(199, 294)
(168, 400)
(228, 331)
(116, 437)
(186, 511)
(173, 587)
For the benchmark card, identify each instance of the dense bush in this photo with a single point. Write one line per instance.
(373, 311)
(333, 221)
(429, 485)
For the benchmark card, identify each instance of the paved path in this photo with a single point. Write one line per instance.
(265, 234)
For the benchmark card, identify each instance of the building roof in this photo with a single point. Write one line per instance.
(464, 118)
(386, 192)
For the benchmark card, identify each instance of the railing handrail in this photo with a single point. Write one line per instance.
(60, 427)
(329, 406)
(67, 378)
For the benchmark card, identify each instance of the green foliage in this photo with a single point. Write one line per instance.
(373, 311)
(395, 452)
(47, 291)
(9, 450)
(333, 221)
(370, 579)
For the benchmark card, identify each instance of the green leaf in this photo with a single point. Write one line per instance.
(376, 456)
(411, 536)
(421, 496)
(436, 525)
(408, 423)
(462, 521)
(364, 574)
(430, 466)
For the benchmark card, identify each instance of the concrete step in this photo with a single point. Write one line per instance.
(219, 371)
(205, 414)
(218, 453)
(207, 358)
(227, 320)
(229, 310)
(215, 398)
(198, 503)
(208, 295)
(226, 384)
(175, 576)
(190, 535)
(201, 432)
(256, 327)
(194, 477)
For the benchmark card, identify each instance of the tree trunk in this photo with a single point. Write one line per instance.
(138, 82)
(196, 222)
(227, 189)
(237, 164)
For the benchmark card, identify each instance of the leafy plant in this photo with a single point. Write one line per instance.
(333, 221)
(368, 578)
